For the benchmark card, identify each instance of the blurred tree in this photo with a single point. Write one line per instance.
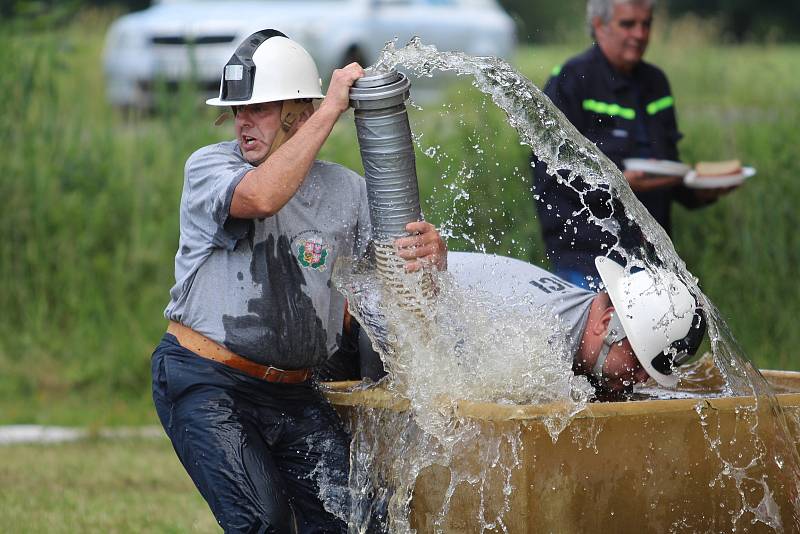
(42, 13)
(548, 21)
(537, 20)
(540, 21)
(36, 15)
(748, 19)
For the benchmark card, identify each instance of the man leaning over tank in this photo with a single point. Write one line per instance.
(643, 324)
(253, 310)
(626, 107)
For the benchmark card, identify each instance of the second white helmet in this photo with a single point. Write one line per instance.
(659, 316)
(268, 67)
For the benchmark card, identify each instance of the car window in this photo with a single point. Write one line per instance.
(232, 1)
(470, 3)
(477, 3)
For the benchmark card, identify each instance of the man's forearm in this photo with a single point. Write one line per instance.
(267, 188)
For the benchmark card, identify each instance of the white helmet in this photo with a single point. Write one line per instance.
(268, 67)
(658, 314)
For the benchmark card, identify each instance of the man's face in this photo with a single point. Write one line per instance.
(622, 369)
(624, 39)
(256, 126)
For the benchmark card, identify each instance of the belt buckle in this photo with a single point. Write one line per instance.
(280, 372)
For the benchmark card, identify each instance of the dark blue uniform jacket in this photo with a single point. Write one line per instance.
(626, 117)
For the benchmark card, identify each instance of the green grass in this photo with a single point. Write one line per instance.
(99, 486)
(90, 198)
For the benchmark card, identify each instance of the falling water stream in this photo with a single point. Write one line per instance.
(462, 346)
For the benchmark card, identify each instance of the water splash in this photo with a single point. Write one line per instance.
(493, 353)
(461, 347)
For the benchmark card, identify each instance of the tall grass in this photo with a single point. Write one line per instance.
(741, 102)
(90, 219)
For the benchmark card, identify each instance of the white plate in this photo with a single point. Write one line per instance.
(715, 182)
(659, 167)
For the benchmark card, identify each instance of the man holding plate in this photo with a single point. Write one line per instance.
(625, 106)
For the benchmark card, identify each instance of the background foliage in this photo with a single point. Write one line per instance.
(739, 20)
(539, 21)
(90, 217)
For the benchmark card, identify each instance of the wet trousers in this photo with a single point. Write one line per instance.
(263, 455)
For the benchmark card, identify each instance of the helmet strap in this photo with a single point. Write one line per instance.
(601, 360)
(224, 116)
(614, 334)
(291, 111)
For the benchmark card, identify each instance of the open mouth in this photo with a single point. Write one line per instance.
(248, 142)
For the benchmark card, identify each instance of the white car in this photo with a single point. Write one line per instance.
(176, 40)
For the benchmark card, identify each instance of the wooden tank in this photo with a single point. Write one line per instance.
(679, 465)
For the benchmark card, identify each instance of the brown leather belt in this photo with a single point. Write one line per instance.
(207, 348)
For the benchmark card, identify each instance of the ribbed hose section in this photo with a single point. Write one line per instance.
(390, 267)
(384, 137)
(387, 152)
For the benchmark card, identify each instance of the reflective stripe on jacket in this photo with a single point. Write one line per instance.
(613, 111)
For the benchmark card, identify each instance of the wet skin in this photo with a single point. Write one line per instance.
(256, 126)
(624, 39)
(622, 369)
(423, 248)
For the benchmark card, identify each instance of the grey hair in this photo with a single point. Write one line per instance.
(605, 8)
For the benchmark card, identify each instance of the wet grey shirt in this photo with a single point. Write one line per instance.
(519, 281)
(262, 287)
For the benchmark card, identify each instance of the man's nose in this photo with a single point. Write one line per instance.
(243, 118)
(640, 31)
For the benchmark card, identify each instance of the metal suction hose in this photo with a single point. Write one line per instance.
(387, 152)
(384, 137)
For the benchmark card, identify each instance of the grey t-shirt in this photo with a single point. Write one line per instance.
(262, 287)
(522, 282)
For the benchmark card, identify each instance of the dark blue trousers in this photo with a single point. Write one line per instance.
(263, 455)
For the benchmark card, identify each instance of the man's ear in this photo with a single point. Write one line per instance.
(303, 117)
(601, 327)
(597, 27)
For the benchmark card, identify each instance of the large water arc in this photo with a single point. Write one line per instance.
(432, 431)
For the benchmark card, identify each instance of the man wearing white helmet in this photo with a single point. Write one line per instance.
(253, 311)
(642, 325)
